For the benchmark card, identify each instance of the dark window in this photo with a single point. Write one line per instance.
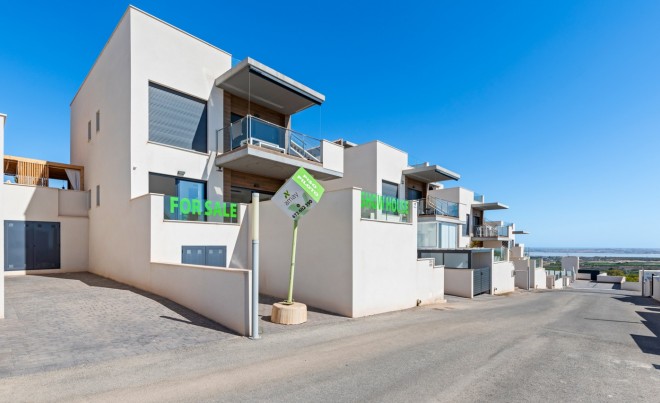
(413, 194)
(466, 226)
(89, 131)
(244, 195)
(179, 187)
(390, 189)
(98, 195)
(98, 121)
(235, 117)
(177, 119)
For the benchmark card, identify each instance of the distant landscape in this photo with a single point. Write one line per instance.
(613, 251)
(615, 261)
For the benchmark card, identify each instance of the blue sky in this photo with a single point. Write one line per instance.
(551, 107)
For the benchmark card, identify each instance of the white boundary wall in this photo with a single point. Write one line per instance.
(345, 264)
(503, 278)
(459, 282)
(220, 294)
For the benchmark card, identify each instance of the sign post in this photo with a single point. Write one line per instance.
(296, 198)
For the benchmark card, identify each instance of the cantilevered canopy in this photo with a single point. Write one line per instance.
(490, 206)
(520, 232)
(262, 85)
(430, 173)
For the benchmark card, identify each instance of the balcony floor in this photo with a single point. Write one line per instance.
(260, 161)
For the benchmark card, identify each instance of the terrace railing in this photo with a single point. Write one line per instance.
(491, 231)
(435, 206)
(258, 132)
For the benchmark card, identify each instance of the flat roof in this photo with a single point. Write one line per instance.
(490, 206)
(268, 87)
(431, 173)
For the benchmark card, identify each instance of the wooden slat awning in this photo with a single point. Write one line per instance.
(35, 172)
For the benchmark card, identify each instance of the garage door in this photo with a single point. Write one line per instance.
(32, 245)
(481, 279)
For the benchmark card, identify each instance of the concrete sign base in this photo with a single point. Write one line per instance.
(293, 314)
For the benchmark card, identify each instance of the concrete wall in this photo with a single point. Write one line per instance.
(221, 294)
(167, 237)
(539, 279)
(3, 118)
(35, 203)
(324, 259)
(570, 263)
(459, 282)
(372, 266)
(115, 239)
(167, 56)
(333, 156)
(604, 278)
(385, 267)
(503, 278)
(629, 286)
(656, 289)
(367, 165)
(523, 274)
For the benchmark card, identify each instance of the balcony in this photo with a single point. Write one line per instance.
(435, 206)
(263, 148)
(491, 232)
(31, 172)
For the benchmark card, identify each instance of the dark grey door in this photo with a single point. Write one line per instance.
(481, 280)
(193, 255)
(216, 256)
(32, 245)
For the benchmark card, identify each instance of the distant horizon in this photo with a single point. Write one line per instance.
(590, 247)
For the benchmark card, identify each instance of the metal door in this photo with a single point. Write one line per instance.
(481, 281)
(193, 255)
(216, 256)
(32, 245)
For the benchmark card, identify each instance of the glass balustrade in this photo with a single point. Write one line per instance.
(251, 130)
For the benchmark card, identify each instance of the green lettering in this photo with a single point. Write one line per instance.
(174, 203)
(208, 206)
(232, 211)
(196, 206)
(185, 205)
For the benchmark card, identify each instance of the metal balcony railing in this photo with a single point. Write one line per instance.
(258, 132)
(435, 206)
(35, 181)
(489, 231)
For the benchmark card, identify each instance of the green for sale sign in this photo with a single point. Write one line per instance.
(299, 194)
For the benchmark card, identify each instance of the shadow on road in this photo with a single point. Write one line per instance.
(650, 314)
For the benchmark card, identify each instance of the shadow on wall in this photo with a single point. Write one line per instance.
(191, 317)
(239, 257)
(651, 319)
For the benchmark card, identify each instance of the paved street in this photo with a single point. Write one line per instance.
(572, 345)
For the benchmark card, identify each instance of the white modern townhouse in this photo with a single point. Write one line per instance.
(169, 141)
(171, 138)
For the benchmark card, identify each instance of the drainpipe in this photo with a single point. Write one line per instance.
(254, 224)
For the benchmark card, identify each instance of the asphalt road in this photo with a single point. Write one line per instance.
(573, 345)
